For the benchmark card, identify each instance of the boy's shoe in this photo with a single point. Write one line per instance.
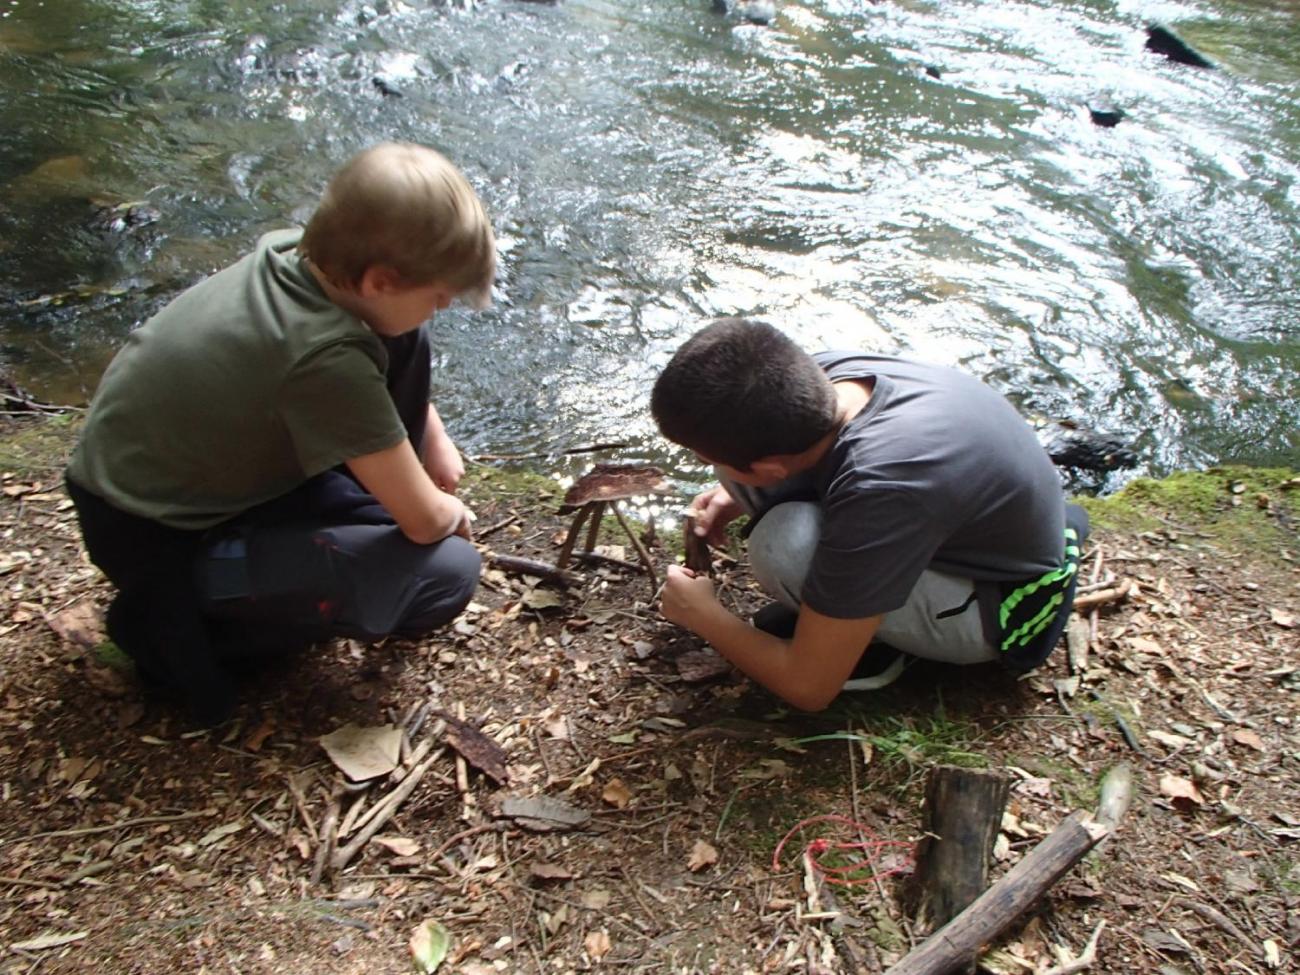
(776, 619)
(879, 666)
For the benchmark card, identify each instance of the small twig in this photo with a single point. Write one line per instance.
(354, 811)
(124, 824)
(462, 835)
(1101, 597)
(640, 549)
(482, 533)
(1086, 957)
(23, 881)
(386, 810)
(329, 834)
(585, 449)
(300, 803)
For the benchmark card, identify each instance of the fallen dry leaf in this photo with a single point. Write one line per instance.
(363, 753)
(1244, 736)
(548, 871)
(617, 794)
(702, 855)
(399, 845)
(1282, 619)
(1176, 788)
(597, 944)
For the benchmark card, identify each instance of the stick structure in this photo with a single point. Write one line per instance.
(957, 942)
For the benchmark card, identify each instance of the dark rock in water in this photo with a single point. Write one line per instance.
(384, 88)
(1070, 445)
(1164, 41)
(932, 71)
(122, 218)
(1107, 117)
(759, 12)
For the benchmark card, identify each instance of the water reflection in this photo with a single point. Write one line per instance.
(648, 166)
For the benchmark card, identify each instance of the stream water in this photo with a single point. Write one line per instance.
(651, 165)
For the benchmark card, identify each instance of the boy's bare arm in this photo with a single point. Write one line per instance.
(441, 458)
(808, 671)
(424, 513)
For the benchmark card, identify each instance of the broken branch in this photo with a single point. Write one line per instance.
(957, 942)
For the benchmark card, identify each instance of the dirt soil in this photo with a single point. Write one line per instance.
(132, 842)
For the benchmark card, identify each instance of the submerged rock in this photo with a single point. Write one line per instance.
(1082, 449)
(761, 12)
(1107, 117)
(112, 217)
(1164, 41)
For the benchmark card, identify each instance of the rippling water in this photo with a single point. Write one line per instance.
(650, 166)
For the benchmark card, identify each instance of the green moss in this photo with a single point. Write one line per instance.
(1242, 509)
(38, 444)
(1070, 782)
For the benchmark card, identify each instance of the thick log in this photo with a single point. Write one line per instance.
(998, 908)
(963, 812)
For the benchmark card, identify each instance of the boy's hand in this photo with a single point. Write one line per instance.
(713, 511)
(686, 597)
(465, 527)
(443, 461)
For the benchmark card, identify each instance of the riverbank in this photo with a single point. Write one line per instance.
(132, 843)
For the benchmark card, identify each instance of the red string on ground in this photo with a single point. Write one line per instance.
(871, 849)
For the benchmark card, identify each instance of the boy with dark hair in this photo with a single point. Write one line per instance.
(261, 466)
(890, 500)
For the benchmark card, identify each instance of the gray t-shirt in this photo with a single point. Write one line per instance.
(937, 471)
(239, 390)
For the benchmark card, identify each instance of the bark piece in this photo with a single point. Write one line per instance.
(477, 748)
(963, 812)
(696, 548)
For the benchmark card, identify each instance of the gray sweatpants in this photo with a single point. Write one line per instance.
(940, 620)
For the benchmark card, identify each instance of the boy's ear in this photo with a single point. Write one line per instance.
(377, 280)
(772, 468)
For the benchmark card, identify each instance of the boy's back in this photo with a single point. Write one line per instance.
(236, 392)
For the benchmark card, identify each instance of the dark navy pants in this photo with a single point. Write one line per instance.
(322, 561)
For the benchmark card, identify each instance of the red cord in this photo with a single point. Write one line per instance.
(843, 874)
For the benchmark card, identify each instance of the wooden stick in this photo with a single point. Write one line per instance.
(1078, 636)
(113, 827)
(567, 548)
(698, 558)
(385, 811)
(640, 549)
(381, 806)
(532, 567)
(999, 907)
(329, 830)
(597, 509)
(1102, 596)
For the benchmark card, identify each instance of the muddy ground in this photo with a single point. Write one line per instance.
(132, 842)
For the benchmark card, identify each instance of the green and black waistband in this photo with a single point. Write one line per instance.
(1033, 613)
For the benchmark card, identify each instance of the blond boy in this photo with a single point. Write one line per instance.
(261, 466)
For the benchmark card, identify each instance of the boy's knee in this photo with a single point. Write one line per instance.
(781, 548)
(447, 584)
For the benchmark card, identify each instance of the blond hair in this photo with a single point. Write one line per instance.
(407, 207)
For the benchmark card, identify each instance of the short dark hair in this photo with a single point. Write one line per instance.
(739, 390)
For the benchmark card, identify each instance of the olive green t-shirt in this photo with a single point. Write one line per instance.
(236, 392)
